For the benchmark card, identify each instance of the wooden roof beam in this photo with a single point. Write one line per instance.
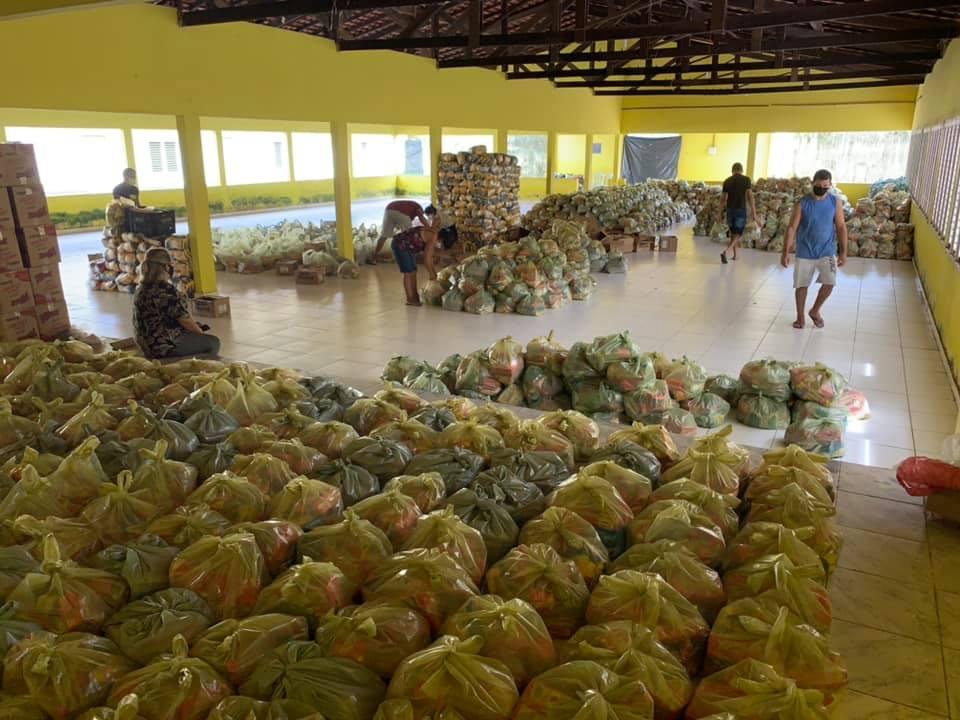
(756, 91)
(891, 73)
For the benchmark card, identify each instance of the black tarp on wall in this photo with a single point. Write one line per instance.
(645, 158)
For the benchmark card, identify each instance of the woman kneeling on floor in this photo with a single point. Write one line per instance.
(161, 320)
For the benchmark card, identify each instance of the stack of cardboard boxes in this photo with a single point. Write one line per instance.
(32, 303)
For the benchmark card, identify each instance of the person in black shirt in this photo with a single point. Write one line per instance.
(128, 188)
(737, 196)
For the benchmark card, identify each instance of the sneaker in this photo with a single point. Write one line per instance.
(723, 258)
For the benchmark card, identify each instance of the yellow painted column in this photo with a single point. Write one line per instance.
(501, 141)
(752, 156)
(617, 159)
(340, 140)
(292, 175)
(3, 134)
(588, 162)
(222, 164)
(553, 143)
(436, 142)
(128, 145)
(198, 204)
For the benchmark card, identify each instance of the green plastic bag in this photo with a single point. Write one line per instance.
(378, 635)
(310, 590)
(553, 586)
(143, 563)
(443, 530)
(817, 383)
(494, 522)
(762, 411)
(451, 674)
(709, 410)
(457, 467)
(307, 503)
(64, 674)
(297, 671)
(593, 396)
(766, 377)
(16, 561)
(354, 482)
(610, 349)
(724, 386)
(546, 352)
(426, 489)
(238, 707)
(399, 366)
(598, 502)
(583, 689)
(233, 496)
(174, 686)
(633, 487)
(685, 379)
(146, 627)
(12, 629)
(544, 469)
(523, 500)
(212, 459)
(381, 457)
(235, 647)
(513, 633)
(267, 472)
(582, 432)
(187, 524)
(648, 400)
(572, 537)
(823, 435)
(356, 546)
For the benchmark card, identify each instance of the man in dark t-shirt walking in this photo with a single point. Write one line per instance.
(128, 188)
(737, 196)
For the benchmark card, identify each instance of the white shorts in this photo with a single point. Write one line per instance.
(825, 267)
(394, 222)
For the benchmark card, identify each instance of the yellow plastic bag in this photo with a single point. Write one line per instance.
(442, 529)
(654, 438)
(599, 503)
(65, 597)
(307, 503)
(249, 440)
(393, 512)
(146, 627)
(79, 477)
(174, 687)
(774, 477)
(64, 674)
(427, 489)
(234, 497)
(356, 546)
(634, 488)
(76, 537)
(682, 522)
(238, 707)
(429, 581)
(277, 540)
(719, 507)
(584, 689)
(512, 631)
(378, 635)
(582, 432)
(187, 524)
(531, 435)
(796, 456)
(552, 585)
(266, 471)
(330, 438)
(496, 416)
(367, 414)
(752, 690)
(647, 598)
(718, 471)
(20, 708)
(451, 674)
(471, 435)
(297, 671)
(234, 647)
(16, 561)
(757, 539)
(250, 401)
(762, 630)
(572, 537)
(166, 483)
(310, 589)
(228, 572)
(127, 709)
(633, 651)
(120, 513)
(93, 418)
(33, 495)
(412, 434)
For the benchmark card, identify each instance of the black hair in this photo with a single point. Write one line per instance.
(822, 175)
(430, 210)
(129, 171)
(737, 167)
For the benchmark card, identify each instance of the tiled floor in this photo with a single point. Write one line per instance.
(876, 332)
(896, 603)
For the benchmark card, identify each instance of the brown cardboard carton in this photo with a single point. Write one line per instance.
(47, 287)
(39, 245)
(53, 320)
(29, 205)
(668, 243)
(16, 293)
(18, 165)
(18, 326)
(309, 276)
(10, 259)
(250, 266)
(211, 306)
(287, 267)
(6, 210)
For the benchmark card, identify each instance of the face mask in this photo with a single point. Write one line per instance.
(819, 191)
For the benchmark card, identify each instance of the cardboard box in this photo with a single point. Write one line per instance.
(622, 243)
(211, 306)
(250, 267)
(668, 243)
(644, 240)
(53, 320)
(18, 326)
(18, 165)
(287, 267)
(309, 276)
(9, 249)
(6, 210)
(47, 287)
(29, 205)
(124, 344)
(16, 292)
(39, 245)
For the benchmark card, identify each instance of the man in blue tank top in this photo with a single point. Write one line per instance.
(817, 226)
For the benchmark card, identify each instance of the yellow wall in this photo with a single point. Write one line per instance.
(813, 111)
(696, 163)
(532, 188)
(603, 164)
(938, 100)
(134, 58)
(413, 185)
(571, 154)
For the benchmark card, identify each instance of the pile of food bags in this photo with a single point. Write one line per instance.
(880, 226)
(201, 540)
(540, 271)
(118, 267)
(642, 208)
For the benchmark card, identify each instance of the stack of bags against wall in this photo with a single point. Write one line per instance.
(123, 252)
(542, 271)
(895, 184)
(812, 402)
(643, 208)
(694, 194)
(482, 191)
(880, 227)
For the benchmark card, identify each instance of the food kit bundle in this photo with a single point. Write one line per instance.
(254, 249)
(880, 226)
(481, 191)
(612, 380)
(643, 208)
(541, 271)
(198, 540)
(118, 267)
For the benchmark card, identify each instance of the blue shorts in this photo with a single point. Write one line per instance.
(406, 260)
(737, 220)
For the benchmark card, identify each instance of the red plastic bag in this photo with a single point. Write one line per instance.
(921, 476)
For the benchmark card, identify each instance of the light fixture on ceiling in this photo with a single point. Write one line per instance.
(712, 147)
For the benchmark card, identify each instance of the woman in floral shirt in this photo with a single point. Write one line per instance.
(161, 320)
